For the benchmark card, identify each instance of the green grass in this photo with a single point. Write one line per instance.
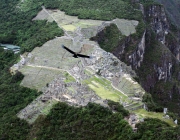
(142, 113)
(69, 27)
(134, 105)
(44, 109)
(71, 89)
(102, 81)
(49, 106)
(69, 78)
(81, 23)
(108, 38)
(103, 88)
(36, 77)
(104, 93)
(88, 72)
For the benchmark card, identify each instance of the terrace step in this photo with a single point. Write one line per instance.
(134, 106)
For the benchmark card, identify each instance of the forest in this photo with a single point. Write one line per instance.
(96, 9)
(63, 122)
(18, 28)
(67, 122)
(13, 98)
(95, 122)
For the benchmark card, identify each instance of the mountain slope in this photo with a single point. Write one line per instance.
(153, 54)
(92, 121)
(173, 10)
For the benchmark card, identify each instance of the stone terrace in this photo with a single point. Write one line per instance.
(73, 93)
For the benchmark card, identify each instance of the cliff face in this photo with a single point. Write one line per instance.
(154, 54)
(156, 17)
(160, 67)
(173, 43)
(172, 8)
(136, 58)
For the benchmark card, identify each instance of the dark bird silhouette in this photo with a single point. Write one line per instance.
(75, 54)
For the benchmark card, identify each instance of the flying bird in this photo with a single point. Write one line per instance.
(75, 54)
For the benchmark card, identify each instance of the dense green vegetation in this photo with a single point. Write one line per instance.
(154, 56)
(154, 129)
(96, 122)
(118, 108)
(111, 40)
(13, 98)
(148, 2)
(151, 105)
(63, 122)
(108, 38)
(92, 122)
(96, 9)
(66, 122)
(19, 29)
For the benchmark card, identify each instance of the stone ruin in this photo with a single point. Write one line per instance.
(72, 93)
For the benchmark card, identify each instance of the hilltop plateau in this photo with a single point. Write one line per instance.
(120, 93)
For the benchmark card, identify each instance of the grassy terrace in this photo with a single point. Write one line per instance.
(37, 78)
(104, 89)
(49, 106)
(68, 23)
(103, 92)
(145, 114)
(69, 78)
(44, 108)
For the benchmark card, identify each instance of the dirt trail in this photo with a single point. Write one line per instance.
(44, 9)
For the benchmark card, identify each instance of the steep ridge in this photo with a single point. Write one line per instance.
(173, 10)
(81, 83)
(154, 55)
(166, 62)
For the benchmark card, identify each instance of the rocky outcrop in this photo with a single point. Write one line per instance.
(131, 50)
(160, 67)
(156, 16)
(136, 58)
(172, 8)
(154, 55)
(164, 70)
(173, 43)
